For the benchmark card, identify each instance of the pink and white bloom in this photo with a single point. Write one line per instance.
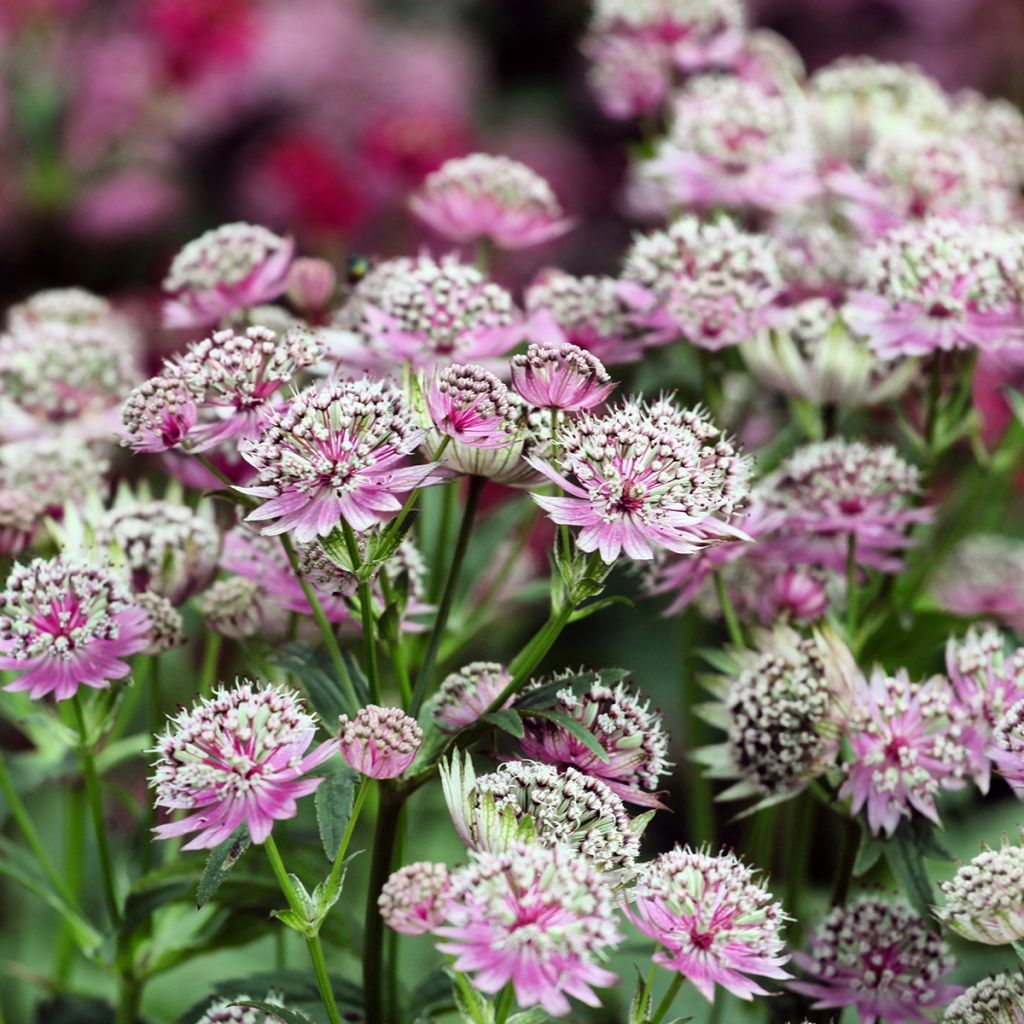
(540, 918)
(983, 577)
(563, 377)
(716, 923)
(380, 742)
(493, 198)
(411, 901)
(469, 405)
(935, 286)
(630, 76)
(643, 478)
(227, 269)
(996, 1000)
(337, 452)
(160, 413)
(906, 739)
(880, 958)
(1007, 750)
(985, 898)
(236, 758)
(65, 625)
(465, 696)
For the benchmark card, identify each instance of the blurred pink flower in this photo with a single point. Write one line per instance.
(380, 742)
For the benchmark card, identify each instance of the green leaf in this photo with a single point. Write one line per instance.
(282, 1013)
(596, 606)
(143, 903)
(507, 720)
(312, 668)
(220, 862)
(870, 851)
(333, 801)
(532, 1016)
(904, 854)
(544, 696)
(575, 729)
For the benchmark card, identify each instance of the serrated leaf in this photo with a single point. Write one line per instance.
(867, 856)
(507, 720)
(220, 862)
(333, 802)
(575, 729)
(317, 677)
(904, 856)
(285, 1014)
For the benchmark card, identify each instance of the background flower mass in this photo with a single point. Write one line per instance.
(511, 512)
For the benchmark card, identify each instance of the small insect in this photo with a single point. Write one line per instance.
(357, 267)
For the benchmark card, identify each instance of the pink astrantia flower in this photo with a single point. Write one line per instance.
(629, 732)
(715, 922)
(563, 377)
(712, 281)
(465, 696)
(540, 918)
(380, 742)
(630, 76)
(1007, 750)
(646, 477)
(424, 312)
(490, 197)
(232, 267)
(159, 414)
(469, 405)
(985, 898)
(983, 577)
(236, 758)
(337, 452)
(233, 376)
(880, 958)
(411, 901)
(907, 748)
(64, 626)
(691, 26)
(987, 682)
(934, 286)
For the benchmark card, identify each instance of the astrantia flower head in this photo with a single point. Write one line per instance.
(562, 377)
(985, 899)
(734, 143)
(599, 314)
(907, 747)
(988, 682)
(997, 124)
(65, 625)
(539, 917)
(1007, 748)
(60, 307)
(236, 758)
(224, 270)
(839, 488)
(490, 197)
(426, 312)
(232, 376)
(465, 695)
(983, 577)
(239, 608)
(411, 901)
(712, 280)
(380, 742)
(166, 628)
(935, 285)
(21, 514)
(645, 477)
(630, 76)
(998, 1000)
(225, 1012)
(880, 958)
(780, 711)
(339, 451)
(809, 353)
(160, 413)
(469, 405)
(715, 921)
(632, 736)
(165, 547)
(53, 471)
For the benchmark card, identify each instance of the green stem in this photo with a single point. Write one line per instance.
(852, 590)
(449, 499)
(95, 798)
(367, 618)
(225, 480)
(934, 396)
(504, 1004)
(451, 586)
(847, 862)
(316, 952)
(340, 668)
(373, 927)
(668, 999)
(129, 999)
(153, 851)
(484, 255)
(396, 645)
(211, 657)
(732, 621)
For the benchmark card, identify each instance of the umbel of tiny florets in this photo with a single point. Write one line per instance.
(64, 625)
(53, 471)
(998, 1000)
(160, 413)
(166, 627)
(469, 406)
(480, 196)
(715, 922)
(380, 742)
(632, 736)
(467, 694)
(1007, 748)
(225, 1012)
(563, 377)
(236, 758)
(538, 917)
(645, 477)
(411, 901)
(880, 958)
(240, 608)
(339, 451)
(985, 899)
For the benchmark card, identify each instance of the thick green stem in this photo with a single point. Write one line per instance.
(95, 798)
(367, 617)
(129, 999)
(373, 927)
(668, 999)
(732, 621)
(316, 952)
(934, 397)
(396, 646)
(451, 587)
(211, 657)
(504, 1004)
(326, 630)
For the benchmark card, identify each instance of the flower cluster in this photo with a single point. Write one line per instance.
(985, 899)
(998, 1000)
